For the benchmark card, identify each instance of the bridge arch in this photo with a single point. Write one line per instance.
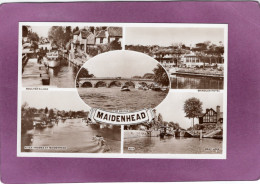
(87, 85)
(100, 84)
(115, 83)
(143, 84)
(130, 84)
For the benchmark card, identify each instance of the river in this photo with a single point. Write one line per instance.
(62, 76)
(195, 82)
(173, 145)
(114, 99)
(75, 135)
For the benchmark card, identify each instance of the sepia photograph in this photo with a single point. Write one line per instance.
(122, 80)
(127, 90)
(185, 123)
(52, 55)
(57, 122)
(193, 56)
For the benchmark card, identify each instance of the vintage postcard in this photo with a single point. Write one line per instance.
(122, 90)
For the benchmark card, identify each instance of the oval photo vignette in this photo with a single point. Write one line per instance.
(122, 81)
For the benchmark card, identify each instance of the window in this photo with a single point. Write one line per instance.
(101, 40)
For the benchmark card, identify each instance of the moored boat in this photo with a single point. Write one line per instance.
(53, 59)
(125, 88)
(179, 133)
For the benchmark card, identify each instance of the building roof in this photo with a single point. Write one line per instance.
(27, 45)
(207, 110)
(91, 39)
(115, 31)
(37, 119)
(167, 57)
(68, 45)
(101, 34)
(76, 32)
(164, 51)
(26, 51)
(192, 54)
(85, 34)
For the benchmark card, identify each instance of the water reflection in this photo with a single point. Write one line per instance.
(64, 75)
(75, 136)
(173, 145)
(194, 82)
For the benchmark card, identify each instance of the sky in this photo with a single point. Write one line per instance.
(61, 100)
(42, 31)
(120, 64)
(172, 106)
(167, 36)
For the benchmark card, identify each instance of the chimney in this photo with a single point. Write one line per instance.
(218, 112)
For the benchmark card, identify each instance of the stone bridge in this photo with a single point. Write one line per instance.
(96, 82)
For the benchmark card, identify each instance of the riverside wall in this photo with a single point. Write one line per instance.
(140, 133)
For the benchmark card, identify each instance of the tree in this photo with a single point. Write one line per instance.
(84, 73)
(177, 51)
(136, 77)
(34, 45)
(25, 31)
(193, 108)
(75, 29)
(115, 45)
(32, 36)
(160, 76)
(60, 35)
(68, 34)
(46, 110)
(148, 76)
(24, 106)
(51, 113)
(160, 118)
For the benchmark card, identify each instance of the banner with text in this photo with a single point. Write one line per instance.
(121, 118)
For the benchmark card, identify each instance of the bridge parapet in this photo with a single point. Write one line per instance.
(114, 78)
(92, 82)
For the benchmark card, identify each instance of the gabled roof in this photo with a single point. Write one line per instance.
(68, 45)
(101, 34)
(85, 34)
(91, 39)
(76, 32)
(207, 110)
(115, 31)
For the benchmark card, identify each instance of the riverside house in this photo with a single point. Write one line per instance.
(102, 37)
(166, 57)
(85, 38)
(114, 33)
(211, 116)
(192, 60)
